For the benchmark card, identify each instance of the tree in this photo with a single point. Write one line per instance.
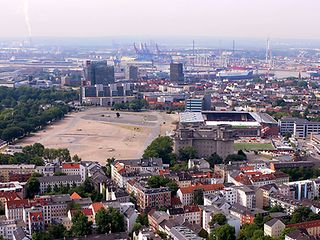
(159, 181)
(258, 220)
(247, 231)
(198, 196)
(80, 225)
(76, 158)
(116, 220)
(218, 218)
(11, 133)
(41, 236)
(303, 214)
(241, 153)
(234, 158)
(187, 153)
(103, 221)
(57, 231)
(32, 187)
(143, 219)
(276, 208)
(224, 232)
(161, 147)
(214, 159)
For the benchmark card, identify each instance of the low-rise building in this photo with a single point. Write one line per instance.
(273, 228)
(186, 194)
(52, 181)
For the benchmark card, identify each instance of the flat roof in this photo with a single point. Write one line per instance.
(191, 117)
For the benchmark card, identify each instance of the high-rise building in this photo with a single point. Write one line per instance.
(176, 72)
(132, 73)
(98, 72)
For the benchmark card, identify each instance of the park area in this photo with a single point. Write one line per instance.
(253, 146)
(96, 134)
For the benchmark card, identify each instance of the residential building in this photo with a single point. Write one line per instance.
(298, 235)
(20, 234)
(52, 181)
(13, 187)
(34, 219)
(183, 233)
(148, 198)
(7, 228)
(199, 164)
(71, 168)
(312, 227)
(246, 215)
(6, 170)
(186, 194)
(246, 196)
(273, 228)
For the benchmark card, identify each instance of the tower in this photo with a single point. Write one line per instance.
(176, 72)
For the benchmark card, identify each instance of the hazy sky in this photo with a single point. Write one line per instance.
(231, 18)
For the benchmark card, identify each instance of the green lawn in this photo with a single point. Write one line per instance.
(253, 146)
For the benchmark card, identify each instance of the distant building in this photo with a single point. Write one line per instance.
(300, 128)
(176, 72)
(6, 170)
(98, 72)
(131, 73)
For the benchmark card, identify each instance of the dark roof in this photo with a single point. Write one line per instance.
(64, 178)
(272, 222)
(299, 235)
(19, 234)
(175, 211)
(109, 236)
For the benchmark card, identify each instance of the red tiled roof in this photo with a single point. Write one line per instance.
(70, 165)
(247, 168)
(309, 224)
(175, 201)
(87, 211)
(191, 208)
(208, 187)
(97, 206)
(10, 196)
(75, 196)
(18, 203)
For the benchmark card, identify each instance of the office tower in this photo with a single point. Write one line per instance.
(97, 72)
(176, 72)
(132, 73)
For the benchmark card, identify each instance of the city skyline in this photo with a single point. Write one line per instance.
(211, 18)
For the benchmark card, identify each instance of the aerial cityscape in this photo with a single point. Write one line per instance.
(177, 120)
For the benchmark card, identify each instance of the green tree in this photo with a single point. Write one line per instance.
(187, 153)
(103, 221)
(218, 218)
(41, 236)
(57, 231)
(214, 159)
(303, 214)
(76, 158)
(234, 158)
(161, 147)
(32, 187)
(80, 225)
(224, 232)
(198, 196)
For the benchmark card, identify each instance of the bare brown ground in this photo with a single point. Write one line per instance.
(96, 134)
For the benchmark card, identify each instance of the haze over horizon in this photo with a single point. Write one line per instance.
(290, 19)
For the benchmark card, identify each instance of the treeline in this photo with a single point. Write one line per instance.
(136, 105)
(36, 154)
(298, 174)
(24, 110)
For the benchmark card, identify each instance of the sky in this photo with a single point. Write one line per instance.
(295, 19)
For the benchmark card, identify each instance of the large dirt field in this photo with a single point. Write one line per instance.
(96, 134)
